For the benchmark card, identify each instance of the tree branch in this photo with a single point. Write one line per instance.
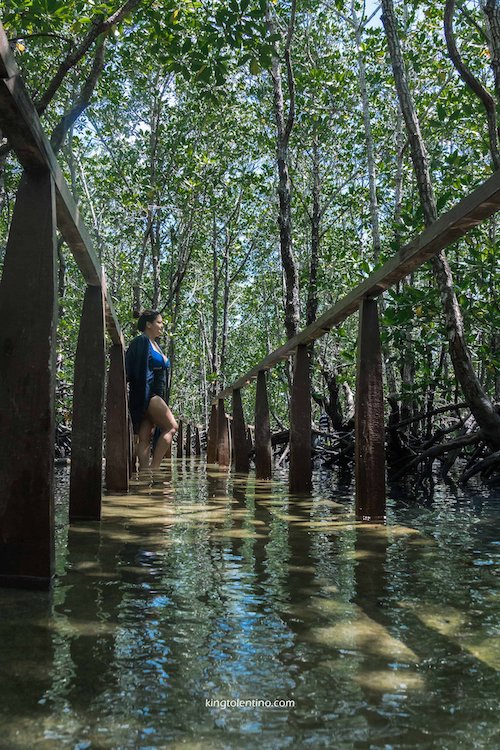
(82, 101)
(98, 26)
(471, 81)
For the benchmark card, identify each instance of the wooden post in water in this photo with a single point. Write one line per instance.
(223, 449)
(300, 474)
(262, 430)
(188, 440)
(212, 436)
(85, 490)
(197, 441)
(131, 448)
(370, 439)
(249, 439)
(180, 440)
(28, 311)
(117, 427)
(240, 444)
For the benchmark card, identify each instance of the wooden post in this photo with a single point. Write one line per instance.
(300, 474)
(262, 430)
(180, 440)
(240, 445)
(28, 311)
(197, 441)
(131, 448)
(85, 492)
(370, 442)
(223, 450)
(212, 436)
(117, 429)
(188, 441)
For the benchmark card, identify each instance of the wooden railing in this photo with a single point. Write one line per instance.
(28, 306)
(369, 418)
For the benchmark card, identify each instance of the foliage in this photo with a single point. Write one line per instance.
(181, 129)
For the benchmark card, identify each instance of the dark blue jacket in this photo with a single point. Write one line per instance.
(137, 368)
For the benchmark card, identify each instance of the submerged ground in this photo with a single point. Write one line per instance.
(199, 588)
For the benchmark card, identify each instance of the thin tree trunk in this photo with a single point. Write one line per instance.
(284, 128)
(491, 9)
(473, 83)
(370, 148)
(215, 299)
(225, 311)
(312, 291)
(477, 400)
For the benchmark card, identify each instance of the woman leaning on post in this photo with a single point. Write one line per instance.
(146, 367)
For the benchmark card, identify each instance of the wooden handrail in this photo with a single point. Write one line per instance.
(21, 126)
(455, 223)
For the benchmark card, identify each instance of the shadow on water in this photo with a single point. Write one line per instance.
(203, 587)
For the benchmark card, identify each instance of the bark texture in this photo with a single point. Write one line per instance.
(284, 125)
(479, 403)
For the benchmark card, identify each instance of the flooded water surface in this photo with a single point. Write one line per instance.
(208, 610)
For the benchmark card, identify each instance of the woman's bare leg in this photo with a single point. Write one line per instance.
(144, 444)
(161, 416)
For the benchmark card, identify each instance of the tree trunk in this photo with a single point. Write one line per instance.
(491, 9)
(312, 292)
(284, 128)
(471, 81)
(476, 398)
(370, 149)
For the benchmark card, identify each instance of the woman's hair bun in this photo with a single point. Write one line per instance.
(146, 316)
(136, 313)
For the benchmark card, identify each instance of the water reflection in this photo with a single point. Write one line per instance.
(204, 586)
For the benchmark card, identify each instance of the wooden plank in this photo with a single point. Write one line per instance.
(263, 453)
(117, 430)
(197, 441)
(212, 436)
(28, 308)
(88, 405)
(20, 123)
(223, 449)
(240, 444)
(180, 439)
(188, 440)
(369, 418)
(300, 473)
(451, 226)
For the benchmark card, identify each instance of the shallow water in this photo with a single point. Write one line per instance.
(197, 588)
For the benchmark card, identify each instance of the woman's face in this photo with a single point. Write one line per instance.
(155, 328)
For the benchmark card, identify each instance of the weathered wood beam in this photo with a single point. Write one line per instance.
(240, 444)
(197, 441)
(180, 439)
(300, 474)
(468, 213)
(117, 429)
(28, 309)
(88, 406)
(223, 448)
(212, 436)
(21, 126)
(188, 440)
(263, 454)
(369, 418)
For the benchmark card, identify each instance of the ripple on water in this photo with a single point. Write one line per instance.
(199, 589)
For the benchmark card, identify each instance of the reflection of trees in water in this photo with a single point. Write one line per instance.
(221, 587)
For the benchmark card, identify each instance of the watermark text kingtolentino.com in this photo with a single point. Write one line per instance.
(225, 703)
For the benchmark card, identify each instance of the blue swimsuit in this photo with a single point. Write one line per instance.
(155, 382)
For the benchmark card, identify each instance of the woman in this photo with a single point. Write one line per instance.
(146, 367)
